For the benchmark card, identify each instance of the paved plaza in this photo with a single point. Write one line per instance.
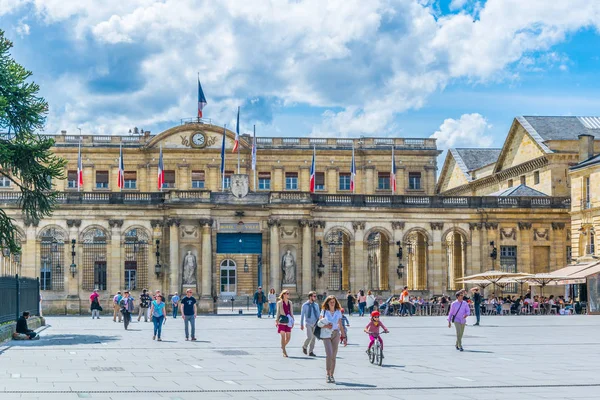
(509, 357)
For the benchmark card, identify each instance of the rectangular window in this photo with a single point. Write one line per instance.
(291, 181)
(72, 179)
(414, 180)
(130, 275)
(100, 275)
(344, 181)
(569, 255)
(587, 192)
(536, 178)
(510, 183)
(197, 179)
(264, 181)
(523, 180)
(4, 181)
(508, 263)
(169, 180)
(101, 179)
(319, 181)
(383, 181)
(227, 179)
(130, 180)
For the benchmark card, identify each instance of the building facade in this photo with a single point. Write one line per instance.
(223, 235)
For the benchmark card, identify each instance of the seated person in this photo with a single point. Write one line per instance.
(22, 326)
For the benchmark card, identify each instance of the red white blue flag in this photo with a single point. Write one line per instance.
(393, 173)
(161, 170)
(201, 99)
(223, 158)
(353, 172)
(79, 169)
(254, 150)
(236, 145)
(121, 182)
(313, 172)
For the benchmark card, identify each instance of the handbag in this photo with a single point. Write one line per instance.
(324, 333)
(317, 332)
(283, 319)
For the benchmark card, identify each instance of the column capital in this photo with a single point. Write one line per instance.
(305, 223)
(271, 222)
(524, 225)
(475, 225)
(491, 225)
(73, 223)
(174, 221)
(558, 226)
(115, 223)
(155, 223)
(358, 225)
(397, 225)
(435, 226)
(31, 222)
(206, 222)
(319, 224)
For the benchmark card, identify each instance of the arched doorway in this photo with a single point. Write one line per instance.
(52, 259)
(228, 274)
(136, 258)
(378, 246)
(417, 246)
(338, 248)
(455, 245)
(94, 259)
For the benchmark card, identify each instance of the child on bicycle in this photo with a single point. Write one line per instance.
(373, 330)
(345, 324)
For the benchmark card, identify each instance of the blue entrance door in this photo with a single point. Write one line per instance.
(242, 243)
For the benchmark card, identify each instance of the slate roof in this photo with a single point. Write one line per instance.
(543, 129)
(476, 158)
(590, 161)
(518, 191)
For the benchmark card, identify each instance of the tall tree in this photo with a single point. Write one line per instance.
(26, 158)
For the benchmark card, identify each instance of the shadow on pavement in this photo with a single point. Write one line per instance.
(355, 385)
(62, 340)
(479, 351)
(392, 366)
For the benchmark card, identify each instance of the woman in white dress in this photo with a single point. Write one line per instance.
(331, 330)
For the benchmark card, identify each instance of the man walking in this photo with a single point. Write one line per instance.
(175, 304)
(117, 306)
(405, 302)
(126, 308)
(144, 305)
(477, 303)
(310, 313)
(189, 311)
(459, 311)
(259, 299)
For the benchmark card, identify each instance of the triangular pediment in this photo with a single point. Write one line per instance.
(520, 147)
(191, 136)
(452, 174)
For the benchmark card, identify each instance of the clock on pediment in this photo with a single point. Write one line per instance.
(198, 140)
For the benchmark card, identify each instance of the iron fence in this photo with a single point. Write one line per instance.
(18, 295)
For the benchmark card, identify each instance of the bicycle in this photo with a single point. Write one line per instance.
(376, 352)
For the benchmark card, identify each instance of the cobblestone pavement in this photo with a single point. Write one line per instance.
(508, 357)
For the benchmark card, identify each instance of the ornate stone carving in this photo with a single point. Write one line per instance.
(436, 226)
(273, 222)
(524, 225)
(189, 231)
(397, 225)
(157, 223)
(239, 185)
(174, 221)
(206, 222)
(319, 224)
(508, 233)
(540, 234)
(31, 222)
(358, 225)
(568, 235)
(189, 269)
(115, 223)
(305, 222)
(558, 226)
(73, 223)
(475, 225)
(289, 233)
(288, 266)
(491, 225)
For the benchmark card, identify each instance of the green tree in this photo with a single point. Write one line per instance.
(26, 158)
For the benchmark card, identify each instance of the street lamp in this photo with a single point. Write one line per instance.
(73, 265)
(493, 254)
(245, 265)
(157, 267)
(400, 269)
(320, 266)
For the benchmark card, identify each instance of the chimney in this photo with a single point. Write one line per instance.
(586, 147)
(63, 132)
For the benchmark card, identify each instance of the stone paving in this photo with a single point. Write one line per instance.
(508, 357)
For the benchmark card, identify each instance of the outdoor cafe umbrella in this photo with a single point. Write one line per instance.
(497, 278)
(542, 280)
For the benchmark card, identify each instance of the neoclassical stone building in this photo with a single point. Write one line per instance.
(223, 242)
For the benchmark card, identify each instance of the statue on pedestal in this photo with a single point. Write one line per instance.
(189, 269)
(288, 265)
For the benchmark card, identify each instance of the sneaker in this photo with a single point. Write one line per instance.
(312, 355)
(457, 348)
(159, 339)
(332, 379)
(304, 350)
(476, 324)
(328, 379)
(187, 339)
(461, 349)
(193, 339)
(154, 337)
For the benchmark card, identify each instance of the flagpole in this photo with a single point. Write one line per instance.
(79, 165)
(223, 159)
(254, 157)
(159, 159)
(393, 171)
(353, 170)
(121, 171)
(238, 137)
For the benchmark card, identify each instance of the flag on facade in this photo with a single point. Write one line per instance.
(313, 172)
(79, 169)
(223, 158)
(254, 150)
(353, 172)
(237, 133)
(161, 170)
(393, 173)
(201, 99)
(121, 182)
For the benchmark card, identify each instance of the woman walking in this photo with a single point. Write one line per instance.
(331, 333)
(459, 311)
(284, 319)
(272, 298)
(159, 315)
(350, 299)
(370, 301)
(362, 302)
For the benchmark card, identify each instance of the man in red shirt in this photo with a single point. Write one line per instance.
(95, 304)
(405, 302)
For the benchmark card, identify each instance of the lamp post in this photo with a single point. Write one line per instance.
(493, 254)
(400, 269)
(157, 267)
(73, 265)
(320, 266)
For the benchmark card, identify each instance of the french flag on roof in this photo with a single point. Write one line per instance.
(393, 173)
(161, 170)
(353, 172)
(236, 145)
(313, 172)
(201, 99)
(79, 169)
(121, 182)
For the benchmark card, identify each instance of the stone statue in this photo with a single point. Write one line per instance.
(288, 265)
(189, 269)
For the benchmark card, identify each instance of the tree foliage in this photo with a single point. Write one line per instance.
(26, 158)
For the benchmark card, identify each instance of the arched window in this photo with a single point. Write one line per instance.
(136, 259)
(52, 259)
(228, 277)
(94, 259)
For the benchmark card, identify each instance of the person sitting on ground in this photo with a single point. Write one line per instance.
(22, 327)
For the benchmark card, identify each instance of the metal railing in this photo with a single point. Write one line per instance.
(17, 295)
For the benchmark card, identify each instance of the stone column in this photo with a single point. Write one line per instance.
(331, 179)
(206, 276)
(559, 246)
(474, 264)
(142, 179)
(355, 281)
(401, 179)
(174, 263)
(429, 180)
(524, 250)
(320, 280)
(491, 229)
(307, 285)
(303, 178)
(370, 183)
(73, 283)
(29, 267)
(183, 177)
(435, 263)
(396, 282)
(274, 261)
(115, 268)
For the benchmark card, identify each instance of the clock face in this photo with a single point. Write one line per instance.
(198, 139)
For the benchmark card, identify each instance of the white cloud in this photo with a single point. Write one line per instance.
(457, 4)
(372, 59)
(470, 130)
(22, 29)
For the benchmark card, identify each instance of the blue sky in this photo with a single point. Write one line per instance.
(456, 69)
